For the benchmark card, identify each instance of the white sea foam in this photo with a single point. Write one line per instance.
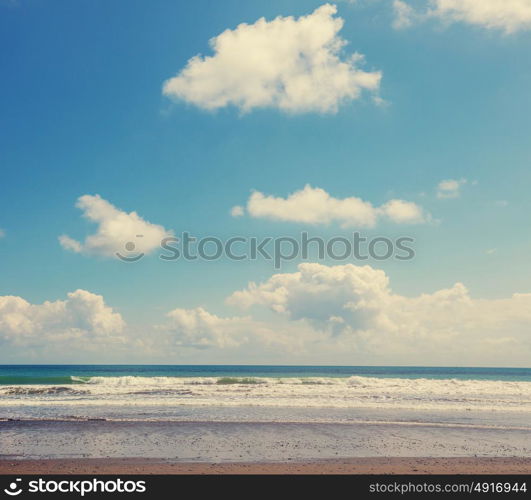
(314, 392)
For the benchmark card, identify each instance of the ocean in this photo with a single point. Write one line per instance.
(499, 397)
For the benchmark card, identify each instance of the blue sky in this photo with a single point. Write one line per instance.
(83, 113)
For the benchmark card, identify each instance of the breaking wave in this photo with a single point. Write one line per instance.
(332, 392)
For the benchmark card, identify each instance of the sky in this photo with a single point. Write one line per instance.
(123, 124)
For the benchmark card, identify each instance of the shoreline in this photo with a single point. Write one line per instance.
(382, 423)
(252, 443)
(358, 465)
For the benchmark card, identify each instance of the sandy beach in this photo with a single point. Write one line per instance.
(100, 447)
(368, 465)
(246, 442)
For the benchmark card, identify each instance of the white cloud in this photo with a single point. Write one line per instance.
(315, 206)
(116, 228)
(380, 102)
(450, 188)
(319, 312)
(237, 211)
(199, 328)
(403, 212)
(355, 308)
(81, 315)
(293, 64)
(404, 14)
(508, 16)
(2, 233)
(320, 293)
(349, 313)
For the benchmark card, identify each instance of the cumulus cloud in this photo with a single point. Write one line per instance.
(354, 306)
(508, 16)
(450, 188)
(339, 294)
(403, 212)
(315, 206)
(292, 64)
(81, 315)
(199, 328)
(116, 229)
(2, 233)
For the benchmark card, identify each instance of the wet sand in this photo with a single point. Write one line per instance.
(369, 465)
(92, 447)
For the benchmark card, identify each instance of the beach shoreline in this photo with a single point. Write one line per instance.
(264, 420)
(258, 448)
(357, 465)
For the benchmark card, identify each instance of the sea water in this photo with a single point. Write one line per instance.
(499, 397)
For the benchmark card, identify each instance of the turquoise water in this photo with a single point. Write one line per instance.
(74, 374)
(483, 396)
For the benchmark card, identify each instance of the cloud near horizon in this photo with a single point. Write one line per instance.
(116, 228)
(83, 315)
(345, 310)
(315, 206)
(199, 328)
(508, 16)
(354, 308)
(292, 64)
(351, 310)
